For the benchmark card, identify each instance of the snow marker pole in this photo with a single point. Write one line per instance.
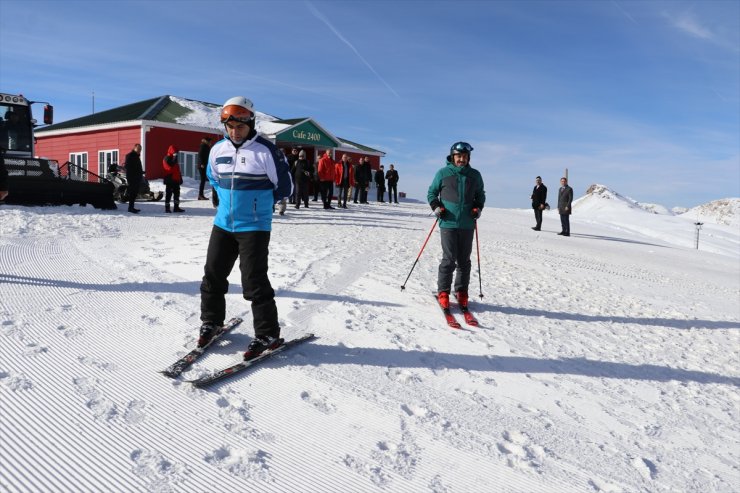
(403, 286)
(477, 248)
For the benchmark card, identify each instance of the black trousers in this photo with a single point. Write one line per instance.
(252, 250)
(381, 193)
(344, 191)
(393, 191)
(133, 192)
(457, 245)
(301, 193)
(170, 192)
(565, 223)
(327, 190)
(203, 179)
(538, 216)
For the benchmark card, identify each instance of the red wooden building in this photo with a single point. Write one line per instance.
(94, 142)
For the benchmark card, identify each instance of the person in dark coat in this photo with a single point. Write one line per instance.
(134, 174)
(539, 199)
(363, 177)
(203, 153)
(380, 183)
(392, 177)
(172, 180)
(301, 178)
(565, 203)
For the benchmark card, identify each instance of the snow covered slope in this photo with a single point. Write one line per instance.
(606, 361)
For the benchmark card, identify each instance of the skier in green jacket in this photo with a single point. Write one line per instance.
(457, 197)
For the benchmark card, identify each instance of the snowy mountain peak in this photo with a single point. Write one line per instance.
(597, 194)
(723, 211)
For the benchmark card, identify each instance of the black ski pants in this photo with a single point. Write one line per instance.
(252, 250)
(457, 245)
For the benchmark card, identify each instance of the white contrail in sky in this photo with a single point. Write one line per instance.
(323, 19)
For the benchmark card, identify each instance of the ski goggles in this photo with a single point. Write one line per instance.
(461, 148)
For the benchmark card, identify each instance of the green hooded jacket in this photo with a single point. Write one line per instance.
(458, 190)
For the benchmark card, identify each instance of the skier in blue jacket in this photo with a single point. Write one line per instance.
(248, 174)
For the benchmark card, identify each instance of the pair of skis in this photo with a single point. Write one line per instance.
(175, 369)
(452, 321)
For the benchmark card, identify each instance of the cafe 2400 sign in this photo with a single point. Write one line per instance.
(303, 135)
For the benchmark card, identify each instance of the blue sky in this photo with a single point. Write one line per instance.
(641, 96)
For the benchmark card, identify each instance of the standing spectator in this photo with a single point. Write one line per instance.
(565, 202)
(302, 176)
(172, 179)
(392, 177)
(134, 174)
(380, 183)
(203, 152)
(539, 199)
(363, 177)
(292, 158)
(457, 197)
(344, 179)
(326, 177)
(243, 223)
(3, 175)
(315, 182)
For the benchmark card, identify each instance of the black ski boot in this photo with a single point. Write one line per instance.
(207, 331)
(261, 344)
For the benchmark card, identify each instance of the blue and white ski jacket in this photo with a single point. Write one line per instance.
(248, 181)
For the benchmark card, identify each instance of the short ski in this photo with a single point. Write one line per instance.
(243, 365)
(181, 365)
(469, 318)
(451, 321)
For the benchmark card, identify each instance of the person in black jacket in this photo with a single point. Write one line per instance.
(363, 177)
(301, 178)
(203, 153)
(539, 199)
(380, 183)
(134, 174)
(392, 177)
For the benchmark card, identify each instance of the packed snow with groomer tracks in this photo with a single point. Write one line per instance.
(606, 361)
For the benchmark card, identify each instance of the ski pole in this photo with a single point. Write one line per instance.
(477, 248)
(403, 286)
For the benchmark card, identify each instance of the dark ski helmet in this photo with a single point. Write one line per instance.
(238, 109)
(459, 148)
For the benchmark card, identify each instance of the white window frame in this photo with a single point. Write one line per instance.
(78, 159)
(106, 157)
(188, 164)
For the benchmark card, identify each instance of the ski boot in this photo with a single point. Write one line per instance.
(261, 344)
(207, 331)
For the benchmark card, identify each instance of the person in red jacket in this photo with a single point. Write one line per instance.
(326, 177)
(172, 180)
(344, 178)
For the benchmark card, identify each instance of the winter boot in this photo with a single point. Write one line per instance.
(462, 298)
(444, 299)
(177, 209)
(202, 197)
(167, 208)
(207, 331)
(261, 344)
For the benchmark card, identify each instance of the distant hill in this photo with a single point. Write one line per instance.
(597, 196)
(723, 211)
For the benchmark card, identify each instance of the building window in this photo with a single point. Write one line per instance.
(188, 164)
(79, 169)
(106, 161)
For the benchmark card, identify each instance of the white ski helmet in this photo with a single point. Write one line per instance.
(239, 109)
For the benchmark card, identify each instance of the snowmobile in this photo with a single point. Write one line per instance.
(117, 176)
